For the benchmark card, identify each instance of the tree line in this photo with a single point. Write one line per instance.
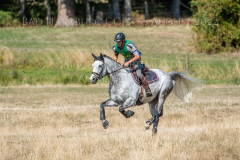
(68, 10)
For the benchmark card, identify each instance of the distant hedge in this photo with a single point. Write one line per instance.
(6, 19)
(217, 26)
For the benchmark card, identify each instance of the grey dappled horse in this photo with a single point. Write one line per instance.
(125, 92)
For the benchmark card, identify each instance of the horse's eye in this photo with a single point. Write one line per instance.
(100, 66)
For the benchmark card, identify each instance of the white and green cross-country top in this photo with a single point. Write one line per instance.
(128, 51)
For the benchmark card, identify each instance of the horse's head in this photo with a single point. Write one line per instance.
(99, 69)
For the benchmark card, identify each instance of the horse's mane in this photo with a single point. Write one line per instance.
(105, 56)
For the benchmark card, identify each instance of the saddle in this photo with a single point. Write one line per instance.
(149, 74)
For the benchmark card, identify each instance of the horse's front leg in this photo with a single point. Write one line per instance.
(128, 103)
(108, 102)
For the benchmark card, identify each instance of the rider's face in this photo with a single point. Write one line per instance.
(120, 43)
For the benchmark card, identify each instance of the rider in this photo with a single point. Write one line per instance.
(132, 58)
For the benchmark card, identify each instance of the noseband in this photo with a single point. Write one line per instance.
(98, 75)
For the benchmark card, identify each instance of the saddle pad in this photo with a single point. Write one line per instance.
(151, 76)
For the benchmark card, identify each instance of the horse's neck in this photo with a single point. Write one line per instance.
(112, 65)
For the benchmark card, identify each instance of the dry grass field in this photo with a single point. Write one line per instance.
(62, 122)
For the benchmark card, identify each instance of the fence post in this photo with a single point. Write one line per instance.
(187, 61)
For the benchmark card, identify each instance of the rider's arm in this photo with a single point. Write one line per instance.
(135, 58)
(115, 57)
(133, 50)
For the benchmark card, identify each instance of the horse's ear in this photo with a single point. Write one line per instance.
(101, 56)
(94, 56)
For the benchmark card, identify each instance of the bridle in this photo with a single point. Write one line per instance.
(114, 71)
(98, 75)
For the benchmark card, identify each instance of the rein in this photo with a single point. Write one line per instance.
(114, 71)
(98, 75)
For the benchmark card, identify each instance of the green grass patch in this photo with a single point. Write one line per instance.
(43, 55)
(41, 76)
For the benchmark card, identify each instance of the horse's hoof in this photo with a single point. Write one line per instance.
(105, 124)
(129, 114)
(147, 125)
(154, 131)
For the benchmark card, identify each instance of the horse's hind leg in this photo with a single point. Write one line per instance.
(153, 109)
(159, 110)
(156, 108)
(161, 99)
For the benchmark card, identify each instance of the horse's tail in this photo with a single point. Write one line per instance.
(182, 85)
